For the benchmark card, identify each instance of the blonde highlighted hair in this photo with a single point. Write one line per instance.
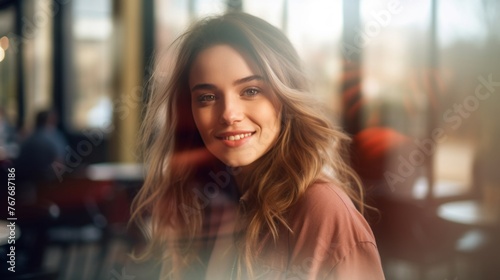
(308, 147)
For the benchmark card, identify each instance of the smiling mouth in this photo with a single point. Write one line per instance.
(236, 137)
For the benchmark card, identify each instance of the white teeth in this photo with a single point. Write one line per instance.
(237, 137)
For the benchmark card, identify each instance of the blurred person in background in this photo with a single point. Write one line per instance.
(38, 151)
(247, 178)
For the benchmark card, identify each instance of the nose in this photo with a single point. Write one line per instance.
(231, 111)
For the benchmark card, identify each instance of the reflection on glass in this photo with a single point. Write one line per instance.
(406, 93)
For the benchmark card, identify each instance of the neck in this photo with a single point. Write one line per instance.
(242, 172)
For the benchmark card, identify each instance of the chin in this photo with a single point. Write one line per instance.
(235, 163)
(235, 159)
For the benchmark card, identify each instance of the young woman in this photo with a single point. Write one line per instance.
(246, 177)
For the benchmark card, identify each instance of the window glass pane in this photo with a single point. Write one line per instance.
(92, 29)
(172, 16)
(469, 40)
(315, 29)
(394, 37)
(397, 86)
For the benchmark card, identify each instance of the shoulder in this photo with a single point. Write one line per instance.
(328, 238)
(325, 201)
(327, 196)
(331, 235)
(325, 212)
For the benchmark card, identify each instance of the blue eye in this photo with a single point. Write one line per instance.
(251, 92)
(206, 98)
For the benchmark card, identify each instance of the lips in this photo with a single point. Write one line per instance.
(235, 138)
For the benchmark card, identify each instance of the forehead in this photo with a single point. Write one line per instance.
(221, 62)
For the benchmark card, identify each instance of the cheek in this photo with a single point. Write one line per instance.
(271, 121)
(202, 119)
(272, 115)
(197, 118)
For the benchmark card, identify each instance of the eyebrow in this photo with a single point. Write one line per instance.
(248, 79)
(237, 82)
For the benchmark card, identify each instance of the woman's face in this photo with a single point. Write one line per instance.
(233, 107)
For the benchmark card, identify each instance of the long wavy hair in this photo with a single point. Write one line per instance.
(308, 146)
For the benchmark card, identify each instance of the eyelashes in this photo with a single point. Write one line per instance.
(211, 97)
(250, 92)
(204, 98)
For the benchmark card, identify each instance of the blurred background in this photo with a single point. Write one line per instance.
(415, 83)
